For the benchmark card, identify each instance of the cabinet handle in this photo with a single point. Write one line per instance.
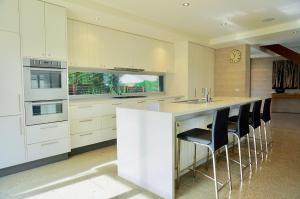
(114, 129)
(195, 92)
(161, 100)
(114, 104)
(86, 134)
(49, 143)
(114, 116)
(48, 127)
(19, 98)
(141, 102)
(85, 107)
(21, 126)
(90, 120)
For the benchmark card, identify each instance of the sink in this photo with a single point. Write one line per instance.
(193, 101)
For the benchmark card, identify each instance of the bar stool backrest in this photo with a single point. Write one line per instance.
(256, 114)
(267, 110)
(220, 128)
(243, 120)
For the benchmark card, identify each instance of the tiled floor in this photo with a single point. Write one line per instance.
(93, 175)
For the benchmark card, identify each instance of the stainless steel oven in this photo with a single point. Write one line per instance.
(42, 112)
(45, 80)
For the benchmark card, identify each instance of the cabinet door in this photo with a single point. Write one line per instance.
(33, 28)
(12, 147)
(10, 75)
(55, 27)
(9, 15)
(79, 44)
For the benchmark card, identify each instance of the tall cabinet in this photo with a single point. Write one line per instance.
(12, 146)
(43, 30)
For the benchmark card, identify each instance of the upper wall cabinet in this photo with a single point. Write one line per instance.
(98, 47)
(9, 15)
(43, 30)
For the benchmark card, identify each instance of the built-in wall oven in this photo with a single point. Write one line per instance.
(45, 91)
(45, 80)
(42, 112)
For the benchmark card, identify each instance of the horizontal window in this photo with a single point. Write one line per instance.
(114, 83)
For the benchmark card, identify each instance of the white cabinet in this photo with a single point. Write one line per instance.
(48, 149)
(98, 47)
(33, 28)
(55, 28)
(46, 132)
(201, 69)
(10, 75)
(77, 44)
(43, 30)
(9, 15)
(12, 144)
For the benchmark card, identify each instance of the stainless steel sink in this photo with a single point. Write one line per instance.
(193, 101)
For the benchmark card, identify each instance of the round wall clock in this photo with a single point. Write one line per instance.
(235, 56)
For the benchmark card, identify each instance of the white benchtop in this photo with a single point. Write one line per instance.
(99, 100)
(178, 109)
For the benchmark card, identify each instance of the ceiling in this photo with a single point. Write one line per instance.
(215, 23)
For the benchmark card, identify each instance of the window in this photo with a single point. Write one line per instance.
(97, 83)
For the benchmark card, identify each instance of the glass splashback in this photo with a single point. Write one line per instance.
(97, 83)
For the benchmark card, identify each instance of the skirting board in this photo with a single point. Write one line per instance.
(92, 147)
(32, 165)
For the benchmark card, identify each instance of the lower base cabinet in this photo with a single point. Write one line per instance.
(48, 149)
(12, 142)
(92, 137)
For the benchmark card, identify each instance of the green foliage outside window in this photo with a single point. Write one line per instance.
(95, 83)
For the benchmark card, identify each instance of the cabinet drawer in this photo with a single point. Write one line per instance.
(84, 139)
(84, 125)
(45, 132)
(108, 134)
(108, 121)
(48, 149)
(85, 111)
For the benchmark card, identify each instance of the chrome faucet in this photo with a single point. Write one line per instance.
(206, 93)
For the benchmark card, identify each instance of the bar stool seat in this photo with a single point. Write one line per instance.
(196, 135)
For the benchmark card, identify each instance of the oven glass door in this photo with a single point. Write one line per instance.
(46, 112)
(41, 79)
(45, 84)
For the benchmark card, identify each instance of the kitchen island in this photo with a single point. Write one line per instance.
(146, 140)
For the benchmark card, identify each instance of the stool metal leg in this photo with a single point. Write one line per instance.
(254, 143)
(266, 138)
(215, 174)
(240, 158)
(260, 139)
(270, 129)
(249, 152)
(195, 158)
(228, 168)
(178, 163)
(207, 158)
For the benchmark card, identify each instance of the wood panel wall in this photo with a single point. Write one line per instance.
(232, 79)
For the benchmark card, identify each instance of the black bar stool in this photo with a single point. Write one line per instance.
(255, 124)
(215, 139)
(240, 129)
(266, 119)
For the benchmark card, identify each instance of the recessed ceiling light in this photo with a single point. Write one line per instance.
(224, 24)
(268, 19)
(295, 32)
(186, 4)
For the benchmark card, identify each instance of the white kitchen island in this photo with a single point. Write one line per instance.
(146, 140)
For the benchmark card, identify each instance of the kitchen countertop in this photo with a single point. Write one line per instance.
(99, 100)
(178, 109)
